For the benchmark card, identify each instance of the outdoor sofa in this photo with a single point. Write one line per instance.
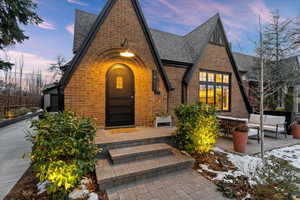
(275, 124)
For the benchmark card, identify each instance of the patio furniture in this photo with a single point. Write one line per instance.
(228, 124)
(275, 124)
(163, 121)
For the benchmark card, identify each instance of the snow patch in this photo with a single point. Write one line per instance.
(290, 154)
(42, 187)
(246, 164)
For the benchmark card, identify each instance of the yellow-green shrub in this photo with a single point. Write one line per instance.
(197, 127)
(63, 150)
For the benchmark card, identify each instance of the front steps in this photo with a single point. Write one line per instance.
(134, 162)
(122, 155)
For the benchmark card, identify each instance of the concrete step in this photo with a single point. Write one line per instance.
(131, 142)
(127, 154)
(110, 175)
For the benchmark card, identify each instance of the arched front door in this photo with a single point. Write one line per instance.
(119, 96)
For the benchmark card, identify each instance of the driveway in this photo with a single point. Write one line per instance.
(12, 147)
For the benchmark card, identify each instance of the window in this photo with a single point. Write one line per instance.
(211, 77)
(215, 89)
(219, 78)
(119, 82)
(202, 76)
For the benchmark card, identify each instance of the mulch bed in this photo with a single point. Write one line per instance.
(26, 188)
(216, 161)
(238, 187)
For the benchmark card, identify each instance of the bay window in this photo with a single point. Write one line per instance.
(215, 89)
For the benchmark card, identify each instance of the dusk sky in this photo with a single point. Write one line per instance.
(55, 35)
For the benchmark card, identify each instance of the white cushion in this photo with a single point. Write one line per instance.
(273, 128)
(254, 119)
(232, 118)
(274, 120)
(250, 125)
(252, 132)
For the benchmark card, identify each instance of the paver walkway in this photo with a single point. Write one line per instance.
(180, 185)
(12, 146)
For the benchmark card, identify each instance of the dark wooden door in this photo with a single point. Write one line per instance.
(119, 96)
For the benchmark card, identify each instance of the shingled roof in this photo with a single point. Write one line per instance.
(83, 23)
(249, 64)
(170, 46)
(245, 63)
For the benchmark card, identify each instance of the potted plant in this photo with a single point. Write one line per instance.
(163, 118)
(240, 138)
(296, 129)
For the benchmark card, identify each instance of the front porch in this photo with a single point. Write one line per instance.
(123, 135)
(141, 135)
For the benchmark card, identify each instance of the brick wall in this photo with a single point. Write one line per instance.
(175, 75)
(85, 92)
(215, 58)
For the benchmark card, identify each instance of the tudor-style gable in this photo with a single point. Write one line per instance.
(216, 60)
(90, 25)
(85, 83)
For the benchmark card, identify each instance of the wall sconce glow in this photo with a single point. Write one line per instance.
(127, 54)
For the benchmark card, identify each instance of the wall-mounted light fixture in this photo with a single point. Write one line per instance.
(125, 51)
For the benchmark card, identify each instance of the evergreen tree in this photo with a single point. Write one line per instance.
(14, 13)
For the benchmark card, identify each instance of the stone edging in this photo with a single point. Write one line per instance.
(17, 119)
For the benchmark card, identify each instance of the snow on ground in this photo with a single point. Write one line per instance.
(247, 165)
(220, 174)
(290, 154)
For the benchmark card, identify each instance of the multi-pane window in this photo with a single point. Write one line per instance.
(215, 89)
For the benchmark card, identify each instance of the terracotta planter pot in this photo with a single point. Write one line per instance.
(240, 140)
(296, 131)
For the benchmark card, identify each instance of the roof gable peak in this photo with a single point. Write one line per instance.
(96, 26)
(210, 20)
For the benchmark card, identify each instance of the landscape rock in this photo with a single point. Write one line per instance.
(93, 196)
(86, 181)
(42, 187)
(78, 193)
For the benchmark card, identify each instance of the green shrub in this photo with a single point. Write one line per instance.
(197, 127)
(34, 109)
(280, 109)
(289, 102)
(63, 150)
(21, 111)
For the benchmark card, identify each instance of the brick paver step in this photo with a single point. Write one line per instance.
(127, 154)
(110, 175)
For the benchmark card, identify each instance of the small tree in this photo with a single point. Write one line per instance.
(280, 71)
(12, 15)
(295, 33)
(59, 67)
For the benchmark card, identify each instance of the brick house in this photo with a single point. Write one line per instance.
(124, 73)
